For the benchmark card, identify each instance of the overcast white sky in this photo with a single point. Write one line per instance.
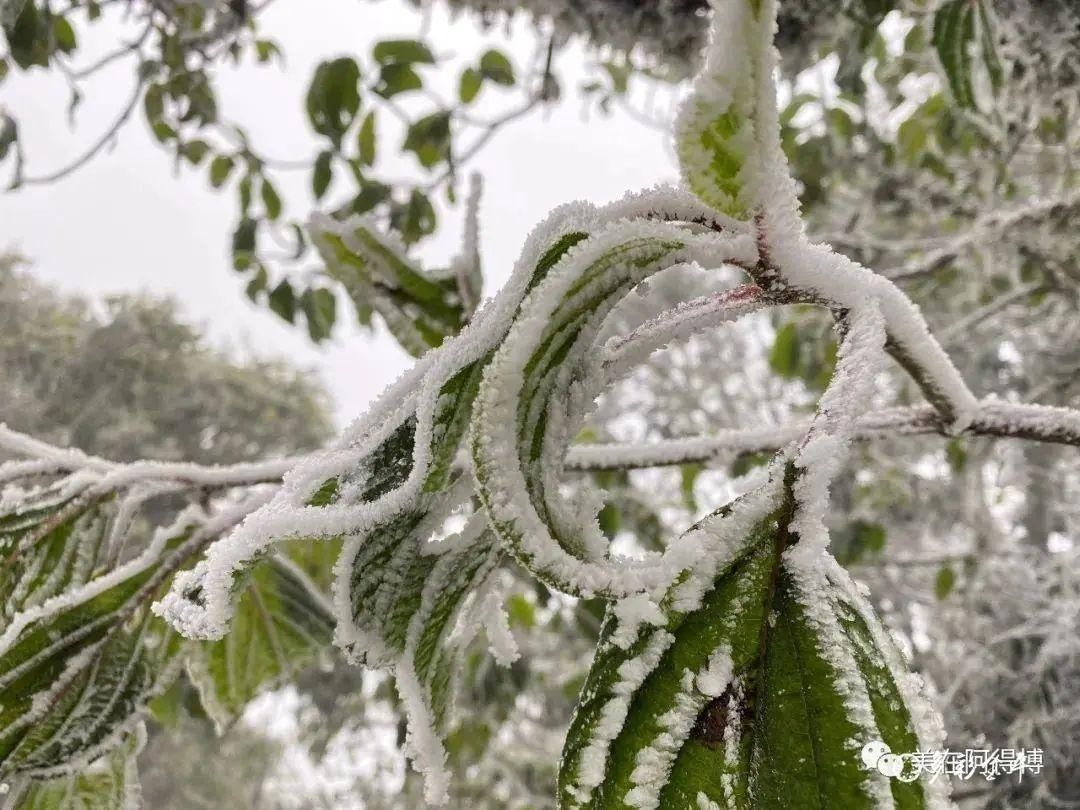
(129, 222)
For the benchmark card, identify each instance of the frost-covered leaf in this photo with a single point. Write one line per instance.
(406, 601)
(282, 624)
(398, 482)
(420, 310)
(51, 540)
(98, 694)
(717, 134)
(79, 668)
(537, 390)
(954, 31)
(752, 685)
(110, 782)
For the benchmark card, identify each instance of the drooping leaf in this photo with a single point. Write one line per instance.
(954, 31)
(758, 688)
(419, 310)
(496, 67)
(282, 624)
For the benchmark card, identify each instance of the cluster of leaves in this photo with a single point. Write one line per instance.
(174, 53)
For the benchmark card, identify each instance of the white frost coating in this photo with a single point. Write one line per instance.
(652, 764)
(189, 517)
(421, 742)
(508, 497)
(705, 803)
(631, 613)
(724, 84)
(808, 574)
(832, 277)
(716, 676)
(824, 451)
(497, 628)
(679, 323)
(415, 393)
(632, 673)
(926, 720)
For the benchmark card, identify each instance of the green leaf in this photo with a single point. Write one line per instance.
(320, 312)
(244, 243)
(402, 52)
(758, 690)
(688, 474)
(333, 97)
(496, 67)
(52, 541)
(63, 35)
(282, 625)
(194, 151)
(377, 274)
(220, 169)
(28, 37)
(994, 70)
(956, 455)
(282, 301)
(395, 79)
(154, 103)
(720, 131)
(784, 357)
(266, 49)
(107, 783)
(417, 219)
(74, 670)
(944, 582)
(953, 33)
(271, 200)
(429, 139)
(322, 174)
(469, 86)
(9, 134)
(366, 140)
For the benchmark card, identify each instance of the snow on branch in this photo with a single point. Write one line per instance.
(993, 418)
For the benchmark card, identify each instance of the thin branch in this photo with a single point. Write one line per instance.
(98, 145)
(993, 418)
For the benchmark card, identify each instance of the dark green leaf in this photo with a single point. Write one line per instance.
(244, 242)
(320, 312)
(495, 66)
(758, 689)
(282, 301)
(402, 52)
(322, 174)
(954, 31)
(429, 139)
(63, 35)
(271, 200)
(944, 582)
(394, 79)
(220, 168)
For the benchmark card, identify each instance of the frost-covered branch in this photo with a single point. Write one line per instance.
(992, 418)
